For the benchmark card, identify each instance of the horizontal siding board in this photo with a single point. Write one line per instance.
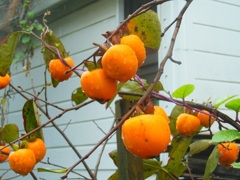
(205, 39)
(82, 133)
(85, 18)
(229, 2)
(83, 39)
(214, 13)
(77, 31)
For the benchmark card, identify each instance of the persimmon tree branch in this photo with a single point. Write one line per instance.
(191, 105)
(149, 90)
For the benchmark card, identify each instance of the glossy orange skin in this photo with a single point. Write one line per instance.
(137, 45)
(4, 81)
(97, 85)
(187, 124)
(160, 111)
(146, 135)
(39, 148)
(228, 153)
(58, 69)
(205, 120)
(120, 63)
(3, 157)
(22, 161)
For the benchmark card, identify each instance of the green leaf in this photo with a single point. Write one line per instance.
(23, 22)
(177, 110)
(78, 96)
(26, 39)
(114, 176)
(31, 14)
(158, 87)
(226, 136)
(175, 166)
(147, 26)
(114, 156)
(39, 27)
(135, 87)
(7, 52)
(233, 104)
(58, 171)
(211, 163)
(3, 102)
(236, 165)
(91, 65)
(183, 91)
(199, 146)
(48, 55)
(18, 56)
(54, 82)
(10, 133)
(131, 87)
(52, 40)
(218, 102)
(150, 166)
(31, 118)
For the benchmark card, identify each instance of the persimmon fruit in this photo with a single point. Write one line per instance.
(97, 85)
(137, 45)
(187, 124)
(160, 111)
(3, 157)
(228, 152)
(4, 81)
(38, 147)
(205, 119)
(58, 69)
(120, 62)
(22, 161)
(146, 135)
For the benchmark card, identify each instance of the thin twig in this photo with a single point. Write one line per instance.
(101, 153)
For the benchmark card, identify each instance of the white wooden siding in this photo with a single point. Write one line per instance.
(77, 31)
(207, 46)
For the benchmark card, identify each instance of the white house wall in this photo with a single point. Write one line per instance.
(83, 127)
(207, 46)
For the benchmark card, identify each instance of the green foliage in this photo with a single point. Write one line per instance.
(92, 65)
(147, 26)
(18, 56)
(236, 165)
(78, 96)
(218, 102)
(150, 166)
(10, 133)
(31, 118)
(7, 52)
(175, 166)
(134, 87)
(53, 42)
(177, 110)
(233, 105)
(211, 163)
(183, 91)
(198, 146)
(226, 136)
(58, 171)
